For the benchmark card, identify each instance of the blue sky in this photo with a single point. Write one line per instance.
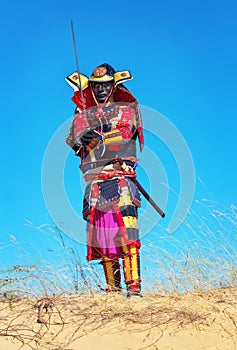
(183, 58)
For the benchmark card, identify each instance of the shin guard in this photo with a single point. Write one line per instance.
(131, 268)
(112, 274)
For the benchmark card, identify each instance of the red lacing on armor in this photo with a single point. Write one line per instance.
(122, 226)
(140, 134)
(79, 124)
(114, 147)
(94, 195)
(90, 233)
(109, 175)
(125, 124)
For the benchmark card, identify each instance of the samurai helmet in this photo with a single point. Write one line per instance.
(103, 73)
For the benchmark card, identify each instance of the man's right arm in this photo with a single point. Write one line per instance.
(78, 135)
(91, 139)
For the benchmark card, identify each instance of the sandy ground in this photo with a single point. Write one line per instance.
(194, 321)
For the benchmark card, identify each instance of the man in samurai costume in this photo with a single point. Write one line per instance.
(106, 124)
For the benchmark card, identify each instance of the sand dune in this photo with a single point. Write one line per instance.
(171, 321)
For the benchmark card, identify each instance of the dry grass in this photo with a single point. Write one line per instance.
(59, 323)
(189, 286)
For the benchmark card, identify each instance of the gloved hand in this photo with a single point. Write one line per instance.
(91, 139)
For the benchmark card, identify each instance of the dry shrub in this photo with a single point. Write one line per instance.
(63, 294)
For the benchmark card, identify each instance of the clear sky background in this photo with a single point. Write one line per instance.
(183, 58)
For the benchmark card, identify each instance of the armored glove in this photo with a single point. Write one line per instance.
(91, 139)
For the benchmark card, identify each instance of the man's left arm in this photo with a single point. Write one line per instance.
(139, 126)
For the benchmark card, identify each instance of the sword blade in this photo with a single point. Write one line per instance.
(77, 65)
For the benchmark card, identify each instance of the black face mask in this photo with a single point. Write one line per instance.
(101, 90)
